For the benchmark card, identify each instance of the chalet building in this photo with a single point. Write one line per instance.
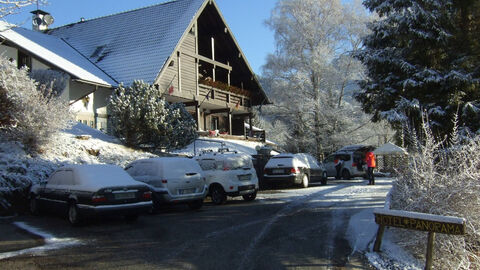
(182, 47)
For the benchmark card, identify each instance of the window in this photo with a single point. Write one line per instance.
(63, 177)
(91, 124)
(24, 60)
(130, 170)
(329, 159)
(214, 123)
(145, 169)
(207, 164)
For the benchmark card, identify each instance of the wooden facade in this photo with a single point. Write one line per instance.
(209, 73)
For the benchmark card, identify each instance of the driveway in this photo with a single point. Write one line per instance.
(283, 229)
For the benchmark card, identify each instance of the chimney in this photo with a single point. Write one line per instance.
(41, 20)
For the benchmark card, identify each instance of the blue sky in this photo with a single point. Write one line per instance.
(244, 17)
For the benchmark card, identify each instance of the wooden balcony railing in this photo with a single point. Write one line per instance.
(214, 93)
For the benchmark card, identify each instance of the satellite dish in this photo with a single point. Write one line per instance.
(37, 21)
(48, 19)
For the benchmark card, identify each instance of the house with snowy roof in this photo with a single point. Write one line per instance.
(182, 47)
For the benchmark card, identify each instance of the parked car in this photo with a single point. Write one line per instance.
(173, 180)
(353, 157)
(84, 190)
(229, 174)
(299, 169)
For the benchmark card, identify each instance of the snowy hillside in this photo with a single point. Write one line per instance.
(18, 169)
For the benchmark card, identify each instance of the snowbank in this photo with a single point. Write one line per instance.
(51, 242)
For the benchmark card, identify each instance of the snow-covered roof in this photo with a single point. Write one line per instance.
(390, 149)
(141, 39)
(56, 52)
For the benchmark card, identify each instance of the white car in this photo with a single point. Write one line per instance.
(173, 180)
(84, 190)
(229, 174)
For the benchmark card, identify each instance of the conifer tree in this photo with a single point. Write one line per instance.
(421, 57)
(141, 116)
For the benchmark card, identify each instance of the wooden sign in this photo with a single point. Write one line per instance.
(420, 221)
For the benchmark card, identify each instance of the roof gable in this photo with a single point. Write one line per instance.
(141, 39)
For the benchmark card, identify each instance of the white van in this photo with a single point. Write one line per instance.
(229, 174)
(353, 157)
(173, 180)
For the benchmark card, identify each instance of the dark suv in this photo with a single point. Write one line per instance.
(298, 169)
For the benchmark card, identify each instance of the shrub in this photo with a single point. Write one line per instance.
(442, 178)
(30, 115)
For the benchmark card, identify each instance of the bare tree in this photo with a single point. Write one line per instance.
(312, 73)
(9, 7)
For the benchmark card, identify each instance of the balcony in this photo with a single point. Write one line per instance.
(222, 92)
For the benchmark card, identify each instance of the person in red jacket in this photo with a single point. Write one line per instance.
(371, 164)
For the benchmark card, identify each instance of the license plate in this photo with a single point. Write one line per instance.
(126, 195)
(244, 177)
(277, 171)
(186, 191)
(246, 192)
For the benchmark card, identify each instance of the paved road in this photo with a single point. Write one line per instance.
(282, 229)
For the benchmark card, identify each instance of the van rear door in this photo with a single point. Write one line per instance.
(183, 176)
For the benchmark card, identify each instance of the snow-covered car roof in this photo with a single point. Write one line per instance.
(174, 163)
(92, 177)
(298, 160)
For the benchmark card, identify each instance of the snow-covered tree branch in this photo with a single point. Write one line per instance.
(311, 76)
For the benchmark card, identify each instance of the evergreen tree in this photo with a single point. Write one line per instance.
(422, 55)
(184, 129)
(140, 116)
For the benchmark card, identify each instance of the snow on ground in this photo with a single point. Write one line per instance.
(51, 242)
(362, 231)
(18, 168)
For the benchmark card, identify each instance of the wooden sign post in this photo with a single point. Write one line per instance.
(420, 222)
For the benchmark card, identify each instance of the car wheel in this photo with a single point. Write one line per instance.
(305, 181)
(195, 205)
(218, 194)
(73, 215)
(33, 204)
(250, 197)
(131, 218)
(346, 175)
(324, 178)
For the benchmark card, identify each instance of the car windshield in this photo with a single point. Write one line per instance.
(238, 162)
